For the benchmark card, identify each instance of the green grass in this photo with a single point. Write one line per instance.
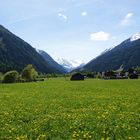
(58, 109)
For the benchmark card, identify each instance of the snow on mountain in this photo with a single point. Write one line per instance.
(70, 64)
(37, 50)
(135, 37)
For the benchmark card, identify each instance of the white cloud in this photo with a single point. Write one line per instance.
(62, 16)
(129, 15)
(84, 13)
(127, 19)
(100, 36)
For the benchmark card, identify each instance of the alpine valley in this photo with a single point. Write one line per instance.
(15, 54)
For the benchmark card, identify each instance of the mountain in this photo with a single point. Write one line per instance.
(70, 65)
(51, 61)
(127, 54)
(15, 54)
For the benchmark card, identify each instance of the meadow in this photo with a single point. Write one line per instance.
(59, 109)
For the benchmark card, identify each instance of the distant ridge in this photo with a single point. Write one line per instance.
(51, 61)
(15, 54)
(70, 65)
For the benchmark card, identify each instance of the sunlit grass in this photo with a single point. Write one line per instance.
(60, 109)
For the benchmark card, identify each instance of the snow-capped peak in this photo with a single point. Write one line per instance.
(37, 50)
(70, 64)
(135, 37)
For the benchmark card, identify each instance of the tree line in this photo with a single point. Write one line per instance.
(28, 74)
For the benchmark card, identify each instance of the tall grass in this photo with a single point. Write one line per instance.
(58, 109)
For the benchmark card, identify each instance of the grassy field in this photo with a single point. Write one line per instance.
(63, 110)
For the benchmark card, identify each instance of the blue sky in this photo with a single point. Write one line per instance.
(71, 29)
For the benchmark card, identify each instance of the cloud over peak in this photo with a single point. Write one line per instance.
(62, 16)
(100, 36)
(83, 13)
(127, 19)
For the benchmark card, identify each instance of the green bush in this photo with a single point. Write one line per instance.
(29, 73)
(1, 77)
(98, 76)
(10, 77)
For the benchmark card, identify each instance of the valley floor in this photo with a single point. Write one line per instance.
(59, 109)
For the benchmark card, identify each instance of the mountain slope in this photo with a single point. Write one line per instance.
(15, 54)
(127, 54)
(51, 61)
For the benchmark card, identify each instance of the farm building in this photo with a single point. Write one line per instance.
(77, 76)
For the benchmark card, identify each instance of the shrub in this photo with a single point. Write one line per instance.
(98, 76)
(29, 73)
(1, 77)
(10, 77)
